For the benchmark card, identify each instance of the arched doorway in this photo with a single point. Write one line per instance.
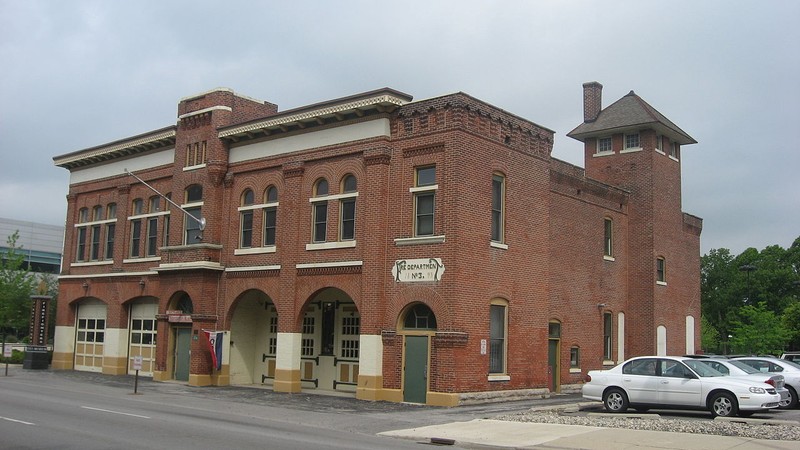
(253, 339)
(180, 318)
(418, 325)
(330, 341)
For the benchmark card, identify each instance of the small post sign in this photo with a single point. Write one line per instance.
(137, 366)
(6, 354)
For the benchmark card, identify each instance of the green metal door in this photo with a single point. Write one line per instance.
(415, 372)
(183, 345)
(553, 368)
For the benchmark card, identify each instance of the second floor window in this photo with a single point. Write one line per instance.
(320, 214)
(246, 220)
(632, 141)
(661, 270)
(498, 197)
(270, 216)
(604, 145)
(424, 200)
(193, 205)
(136, 229)
(608, 238)
(347, 209)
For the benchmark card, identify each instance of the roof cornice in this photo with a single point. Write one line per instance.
(137, 144)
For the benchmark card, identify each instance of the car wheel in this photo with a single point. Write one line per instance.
(615, 400)
(723, 404)
(792, 401)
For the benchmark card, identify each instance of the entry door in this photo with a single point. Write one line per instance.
(183, 344)
(553, 366)
(415, 372)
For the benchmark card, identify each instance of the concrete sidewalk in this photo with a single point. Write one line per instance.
(484, 433)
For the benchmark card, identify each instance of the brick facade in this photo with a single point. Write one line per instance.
(548, 268)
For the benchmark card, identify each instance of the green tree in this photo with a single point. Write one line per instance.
(758, 331)
(16, 287)
(709, 336)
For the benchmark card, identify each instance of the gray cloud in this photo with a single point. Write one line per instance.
(82, 73)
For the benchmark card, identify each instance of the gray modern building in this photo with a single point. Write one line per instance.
(42, 244)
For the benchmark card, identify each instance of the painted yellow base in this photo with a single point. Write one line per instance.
(442, 399)
(115, 365)
(222, 377)
(160, 375)
(199, 379)
(369, 387)
(391, 395)
(287, 381)
(63, 361)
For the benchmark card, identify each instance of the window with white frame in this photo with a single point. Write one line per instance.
(661, 270)
(154, 207)
(320, 211)
(83, 217)
(270, 215)
(574, 357)
(498, 207)
(111, 228)
(94, 248)
(608, 239)
(673, 149)
(347, 208)
(136, 228)
(632, 141)
(246, 219)
(498, 324)
(660, 143)
(604, 145)
(424, 200)
(608, 339)
(193, 198)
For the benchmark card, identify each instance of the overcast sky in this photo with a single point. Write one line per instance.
(76, 74)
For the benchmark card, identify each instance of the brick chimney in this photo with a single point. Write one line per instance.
(592, 100)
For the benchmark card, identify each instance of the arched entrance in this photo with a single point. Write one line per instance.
(418, 325)
(180, 345)
(253, 339)
(142, 334)
(329, 343)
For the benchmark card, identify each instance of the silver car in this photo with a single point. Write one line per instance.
(735, 368)
(789, 369)
(667, 382)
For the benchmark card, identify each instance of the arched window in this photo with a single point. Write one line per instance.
(498, 326)
(246, 219)
(498, 207)
(419, 317)
(270, 215)
(347, 209)
(320, 214)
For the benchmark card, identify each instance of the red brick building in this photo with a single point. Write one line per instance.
(429, 251)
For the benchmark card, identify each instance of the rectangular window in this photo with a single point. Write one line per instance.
(497, 333)
(609, 238)
(111, 228)
(574, 358)
(424, 201)
(607, 337)
(95, 247)
(247, 229)
(348, 211)
(320, 221)
(673, 149)
(152, 236)
(498, 195)
(661, 270)
(604, 145)
(632, 140)
(660, 143)
(270, 221)
(165, 235)
(136, 238)
(81, 252)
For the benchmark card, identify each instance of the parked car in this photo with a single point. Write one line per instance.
(791, 356)
(739, 369)
(789, 369)
(667, 382)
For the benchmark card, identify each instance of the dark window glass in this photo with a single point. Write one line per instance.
(320, 221)
(497, 331)
(425, 207)
(270, 221)
(152, 236)
(136, 238)
(497, 208)
(348, 219)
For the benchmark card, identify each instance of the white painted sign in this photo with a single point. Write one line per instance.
(416, 270)
(7, 351)
(137, 363)
(483, 346)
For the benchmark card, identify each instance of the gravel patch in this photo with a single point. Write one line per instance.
(713, 427)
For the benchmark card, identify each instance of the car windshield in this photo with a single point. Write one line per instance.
(790, 363)
(702, 369)
(743, 366)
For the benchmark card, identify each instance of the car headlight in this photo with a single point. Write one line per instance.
(758, 390)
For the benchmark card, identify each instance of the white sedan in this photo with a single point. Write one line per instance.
(789, 369)
(666, 382)
(733, 368)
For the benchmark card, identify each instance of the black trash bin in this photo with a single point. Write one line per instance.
(36, 358)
